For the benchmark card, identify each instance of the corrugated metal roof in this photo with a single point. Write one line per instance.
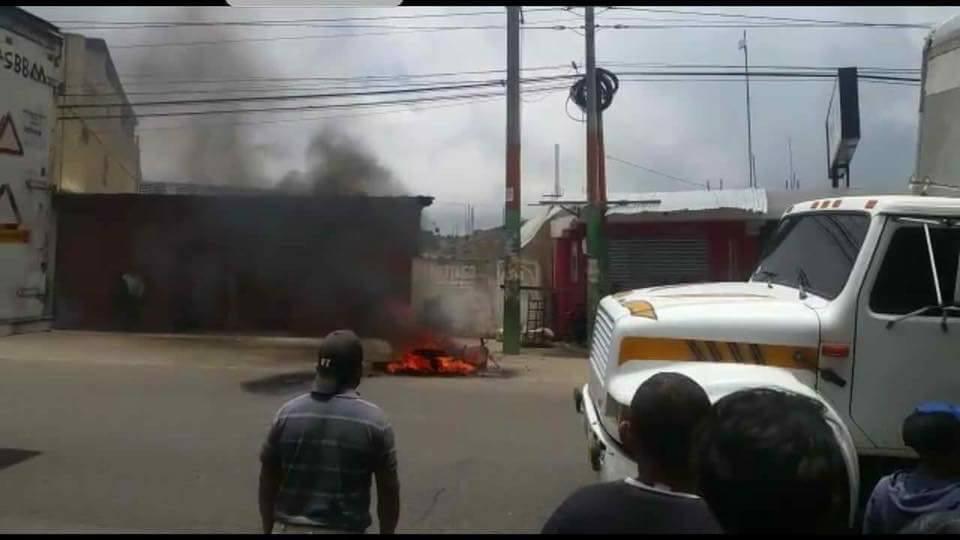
(749, 201)
(532, 226)
(746, 200)
(185, 188)
(754, 203)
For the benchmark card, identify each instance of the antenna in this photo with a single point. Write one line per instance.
(556, 170)
(793, 175)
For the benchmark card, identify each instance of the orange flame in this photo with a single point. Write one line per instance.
(428, 358)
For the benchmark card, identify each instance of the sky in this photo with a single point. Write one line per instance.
(688, 128)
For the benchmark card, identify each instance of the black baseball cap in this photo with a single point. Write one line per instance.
(341, 356)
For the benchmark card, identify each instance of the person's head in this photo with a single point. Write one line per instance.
(664, 414)
(933, 432)
(339, 363)
(768, 461)
(934, 523)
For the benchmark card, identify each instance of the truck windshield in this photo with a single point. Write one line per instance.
(815, 251)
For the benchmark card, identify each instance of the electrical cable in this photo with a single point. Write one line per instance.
(302, 118)
(289, 109)
(773, 18)
(607, 86)
(497, 82)
(294, 21)
(654, 171)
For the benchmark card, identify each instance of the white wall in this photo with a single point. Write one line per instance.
(95, 155)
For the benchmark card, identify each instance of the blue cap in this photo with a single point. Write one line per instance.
(930, 407)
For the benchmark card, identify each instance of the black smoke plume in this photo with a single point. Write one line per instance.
(338, 164)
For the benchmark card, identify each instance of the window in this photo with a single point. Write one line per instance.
(816, 249)
(905, 280)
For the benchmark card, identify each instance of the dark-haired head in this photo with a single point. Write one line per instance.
(768, 461)
(664, 414)
(935, 437)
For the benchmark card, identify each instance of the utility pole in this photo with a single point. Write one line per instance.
(511, 214)
(746, 70)
(594, 209)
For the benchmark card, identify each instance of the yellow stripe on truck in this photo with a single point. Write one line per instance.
(684, 350)
(11, 235)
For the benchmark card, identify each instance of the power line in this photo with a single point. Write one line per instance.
(288, 22)
(410, 79)
(300, 108)
(482, 84)
(387, 30)
(759, 26)
(352, 78)
(263, 89)
(300, 118)
(780, 19)
(266, 39)
(395, 30)
(761, 66)
(654, 171)
(497, 82)
(758, 79)
(787, 74)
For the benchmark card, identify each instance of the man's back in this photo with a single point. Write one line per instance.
(628, 507)
(328, 447)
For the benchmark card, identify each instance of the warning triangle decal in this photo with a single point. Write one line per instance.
(9, 139)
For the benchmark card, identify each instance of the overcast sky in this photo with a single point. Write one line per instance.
(689, 128)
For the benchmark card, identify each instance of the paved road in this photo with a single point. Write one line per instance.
(131, 433)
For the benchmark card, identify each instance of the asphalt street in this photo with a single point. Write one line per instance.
(102, 432)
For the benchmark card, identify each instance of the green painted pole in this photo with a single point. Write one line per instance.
(511, 214)
(594, 209)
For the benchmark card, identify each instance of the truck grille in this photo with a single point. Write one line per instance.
(602, 335)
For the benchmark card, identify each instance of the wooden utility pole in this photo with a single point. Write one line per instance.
(511, 214)
(594, 209)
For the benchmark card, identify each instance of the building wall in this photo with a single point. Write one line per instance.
(733, 252)
(95, 155)
(456, 296)
(236, 264)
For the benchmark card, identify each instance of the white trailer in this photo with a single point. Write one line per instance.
(938, 133)
(30, 52)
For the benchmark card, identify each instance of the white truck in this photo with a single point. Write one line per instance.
(30, 51)
(855, 302)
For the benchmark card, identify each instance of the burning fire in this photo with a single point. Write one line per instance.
(428, 358)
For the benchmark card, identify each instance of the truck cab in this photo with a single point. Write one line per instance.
(854, 303)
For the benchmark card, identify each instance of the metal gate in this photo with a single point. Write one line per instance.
(646, 262)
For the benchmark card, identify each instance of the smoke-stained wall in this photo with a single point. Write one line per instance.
(276, 263)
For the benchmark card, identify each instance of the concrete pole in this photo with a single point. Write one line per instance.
(593, 210)
(746, 71)
(511, 291)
